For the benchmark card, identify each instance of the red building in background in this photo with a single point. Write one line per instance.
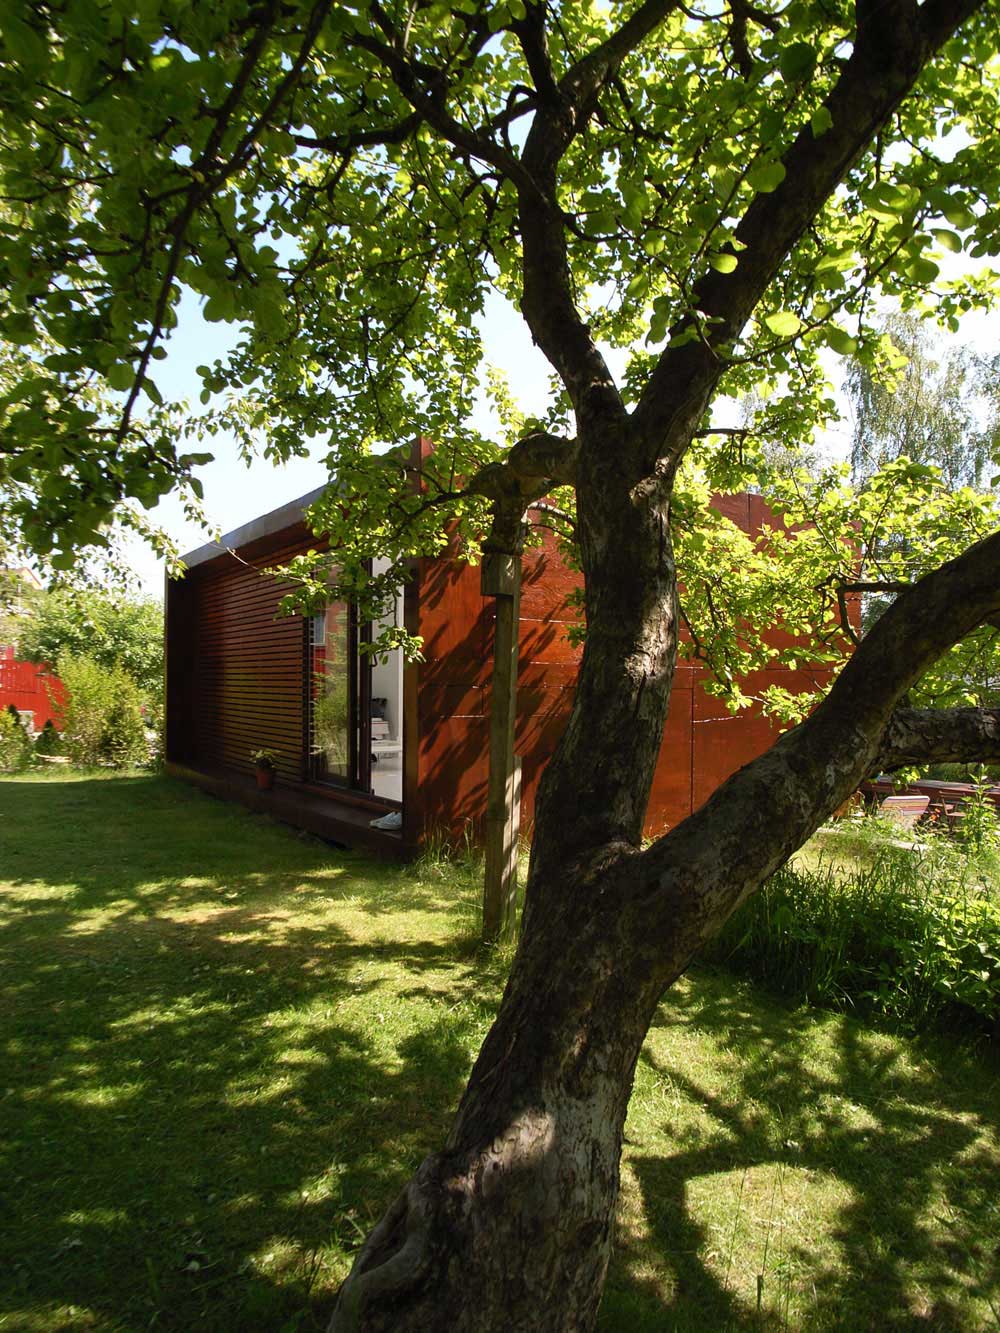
(30, 688)
(356, 742)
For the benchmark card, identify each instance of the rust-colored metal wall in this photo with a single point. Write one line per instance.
(236, 681)
(702, 743)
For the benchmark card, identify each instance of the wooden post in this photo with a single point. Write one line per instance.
(501, 579)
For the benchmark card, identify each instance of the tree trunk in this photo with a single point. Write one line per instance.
(510, 1227)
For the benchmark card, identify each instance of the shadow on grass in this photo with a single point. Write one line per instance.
(898, 1140)
(200, 1112)
(210, 1091)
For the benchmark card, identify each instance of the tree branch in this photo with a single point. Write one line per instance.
(939, 736)
(347, 143)
(875, 79)
(547, 301)
(431, 103)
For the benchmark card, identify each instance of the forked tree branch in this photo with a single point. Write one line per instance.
(880, 72)
(690, 875)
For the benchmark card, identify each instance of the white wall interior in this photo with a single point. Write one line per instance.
(387, 683)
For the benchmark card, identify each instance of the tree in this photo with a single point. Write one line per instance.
(68, 493)
(931, 406)
(939, 409)
(109, 629)
(720, 191)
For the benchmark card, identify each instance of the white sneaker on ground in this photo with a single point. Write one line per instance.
(393, 820)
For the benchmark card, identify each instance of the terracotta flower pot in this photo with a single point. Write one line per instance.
(265, 777)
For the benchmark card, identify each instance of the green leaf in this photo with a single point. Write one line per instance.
(922, 270)
(959, 216)
(889, 203)
(783, 323)
(765, 177)
(839, 340)
(121, 375)
(820, 122)
(796, 62)
(638, 287)
(220, 305)
(949, 240)
(723, 263)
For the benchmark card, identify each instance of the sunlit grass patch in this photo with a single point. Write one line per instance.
(224, 1048)
(791, 1169)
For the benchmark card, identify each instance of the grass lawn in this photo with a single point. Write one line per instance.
(224, 1047)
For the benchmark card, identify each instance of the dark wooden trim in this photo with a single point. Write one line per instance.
(317, 810)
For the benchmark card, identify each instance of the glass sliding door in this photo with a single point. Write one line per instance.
(338, 752)
(355, 704)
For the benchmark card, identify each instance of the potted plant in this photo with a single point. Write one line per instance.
(267, 763)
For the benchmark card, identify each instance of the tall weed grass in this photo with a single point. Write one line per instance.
(911, 934)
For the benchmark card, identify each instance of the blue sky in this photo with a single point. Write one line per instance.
(235, 493)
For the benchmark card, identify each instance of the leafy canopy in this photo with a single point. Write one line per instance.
(346, 183)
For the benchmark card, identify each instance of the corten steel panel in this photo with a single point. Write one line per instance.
(670, 794)
(737, 508)
(546, 641)
(436, 701)
(801, 680)
(547, 586)
(686, 675)
(453, 620)
(449, 736)
(453, 768)
(542, 714)
(724, 742)
(547, 676)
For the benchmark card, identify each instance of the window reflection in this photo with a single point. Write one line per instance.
(330, 674)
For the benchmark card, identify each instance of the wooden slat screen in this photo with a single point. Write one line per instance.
(246, 678)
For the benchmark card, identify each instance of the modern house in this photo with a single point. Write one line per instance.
(355, 741)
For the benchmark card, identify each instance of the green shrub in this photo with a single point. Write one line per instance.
(102, 715)
(980, 827)
(911, 935)
(47, 741)
(15, 747)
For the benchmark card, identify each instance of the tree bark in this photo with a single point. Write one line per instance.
(509, 1227)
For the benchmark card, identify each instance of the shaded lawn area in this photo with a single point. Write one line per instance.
(224, 1047)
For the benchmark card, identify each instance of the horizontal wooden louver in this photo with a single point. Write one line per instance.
(245, 680)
